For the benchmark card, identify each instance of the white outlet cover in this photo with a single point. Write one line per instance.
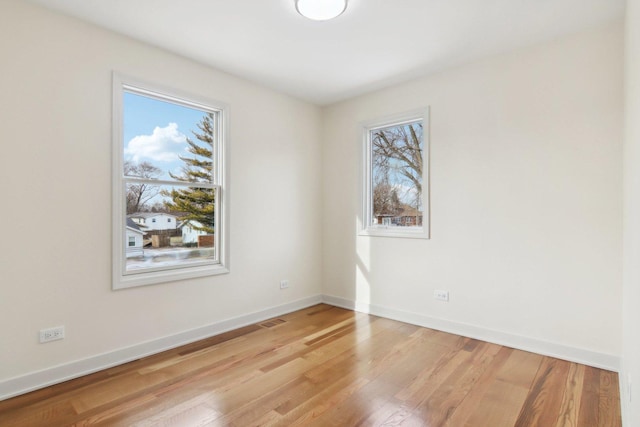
(52, 334)
(441, 295)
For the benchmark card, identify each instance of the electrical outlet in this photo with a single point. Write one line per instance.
(52, 334)
(441, 295)
(284, 284)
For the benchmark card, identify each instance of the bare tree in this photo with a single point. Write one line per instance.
(139, 194)
(385, 199)
(397, 158)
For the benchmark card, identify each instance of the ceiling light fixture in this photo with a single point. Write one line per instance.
(320, 10)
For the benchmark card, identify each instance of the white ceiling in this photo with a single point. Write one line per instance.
(375, 43)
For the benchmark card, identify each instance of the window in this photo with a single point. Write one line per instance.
(132, 241)
(395, 190)
(169, 161)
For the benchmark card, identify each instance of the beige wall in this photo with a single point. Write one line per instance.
(55, 175)
(526, 199)
(631, 297)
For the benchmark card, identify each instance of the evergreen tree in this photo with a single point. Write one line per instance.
(196, 203)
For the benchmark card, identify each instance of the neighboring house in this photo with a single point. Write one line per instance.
(385, 220)
(408, 217)
(134, 239)
(149, 221)
(138, 218)
(190, 233)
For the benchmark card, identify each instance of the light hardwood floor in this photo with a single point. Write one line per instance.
(325, 366)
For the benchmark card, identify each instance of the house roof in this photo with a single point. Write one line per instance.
(152, 214)
(133, 226)
(405, 210)
(189, 221)
(410, 211)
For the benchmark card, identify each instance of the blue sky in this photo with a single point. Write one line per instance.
(155, 131)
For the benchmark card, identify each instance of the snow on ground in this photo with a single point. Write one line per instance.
(169, 257)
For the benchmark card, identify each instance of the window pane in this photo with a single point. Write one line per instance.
(168, 159)
(167, 141)
(175, 226)
(396, 175)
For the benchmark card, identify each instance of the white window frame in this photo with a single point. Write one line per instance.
(367, 226)
(121, 279)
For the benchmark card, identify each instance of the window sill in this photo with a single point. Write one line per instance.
(397, 232)
(152, 278)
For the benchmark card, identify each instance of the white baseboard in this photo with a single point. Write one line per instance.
(520, 342)
(57, 374)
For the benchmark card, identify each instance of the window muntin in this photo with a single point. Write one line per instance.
(168, 164)
(395, 188)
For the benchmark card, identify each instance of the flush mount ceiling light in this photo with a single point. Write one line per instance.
(320, 10)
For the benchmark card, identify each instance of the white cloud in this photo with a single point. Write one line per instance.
(163, 145)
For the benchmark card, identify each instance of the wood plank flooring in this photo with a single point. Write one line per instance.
(325, 366)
